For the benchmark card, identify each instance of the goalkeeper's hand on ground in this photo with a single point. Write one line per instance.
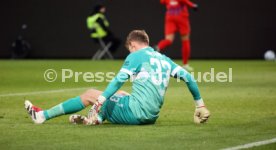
(201, 112)
(201, 115)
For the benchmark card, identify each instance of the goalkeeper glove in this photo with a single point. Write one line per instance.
(98, 105)
(93, 117)
(201, 114)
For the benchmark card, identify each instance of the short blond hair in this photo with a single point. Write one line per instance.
(138, 36)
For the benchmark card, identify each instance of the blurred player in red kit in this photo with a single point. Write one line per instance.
(177, 19)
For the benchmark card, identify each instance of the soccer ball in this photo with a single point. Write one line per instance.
(269, 55)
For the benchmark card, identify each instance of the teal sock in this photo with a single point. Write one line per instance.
(70, 106)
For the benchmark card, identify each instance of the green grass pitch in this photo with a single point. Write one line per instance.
(242, 111)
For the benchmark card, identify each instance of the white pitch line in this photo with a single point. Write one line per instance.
(249, 145)
(42, 92)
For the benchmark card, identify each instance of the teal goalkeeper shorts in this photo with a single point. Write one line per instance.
(116, 110)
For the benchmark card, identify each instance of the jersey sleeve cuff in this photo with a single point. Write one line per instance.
(101, 99)
(199, 103)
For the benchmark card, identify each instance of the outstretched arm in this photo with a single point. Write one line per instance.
(185, 76)
(201, 114)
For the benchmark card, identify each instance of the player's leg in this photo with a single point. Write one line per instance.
(165, 42)
(94, 117)
(117, 110)
(90, 96)
(184, 29)
(170, 29)
(186, 48)
(69, 106)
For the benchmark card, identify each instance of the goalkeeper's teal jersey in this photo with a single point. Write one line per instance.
(150, 72)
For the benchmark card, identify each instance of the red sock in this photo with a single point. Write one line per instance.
(164, 43)
(186, 49)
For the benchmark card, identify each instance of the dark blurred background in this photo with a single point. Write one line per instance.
(232, 29)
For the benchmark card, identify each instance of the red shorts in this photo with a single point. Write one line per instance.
(177, 23)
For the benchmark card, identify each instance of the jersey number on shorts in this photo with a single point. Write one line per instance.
(162, 67)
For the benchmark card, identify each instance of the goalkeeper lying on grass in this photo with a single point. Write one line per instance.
(152, 72)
